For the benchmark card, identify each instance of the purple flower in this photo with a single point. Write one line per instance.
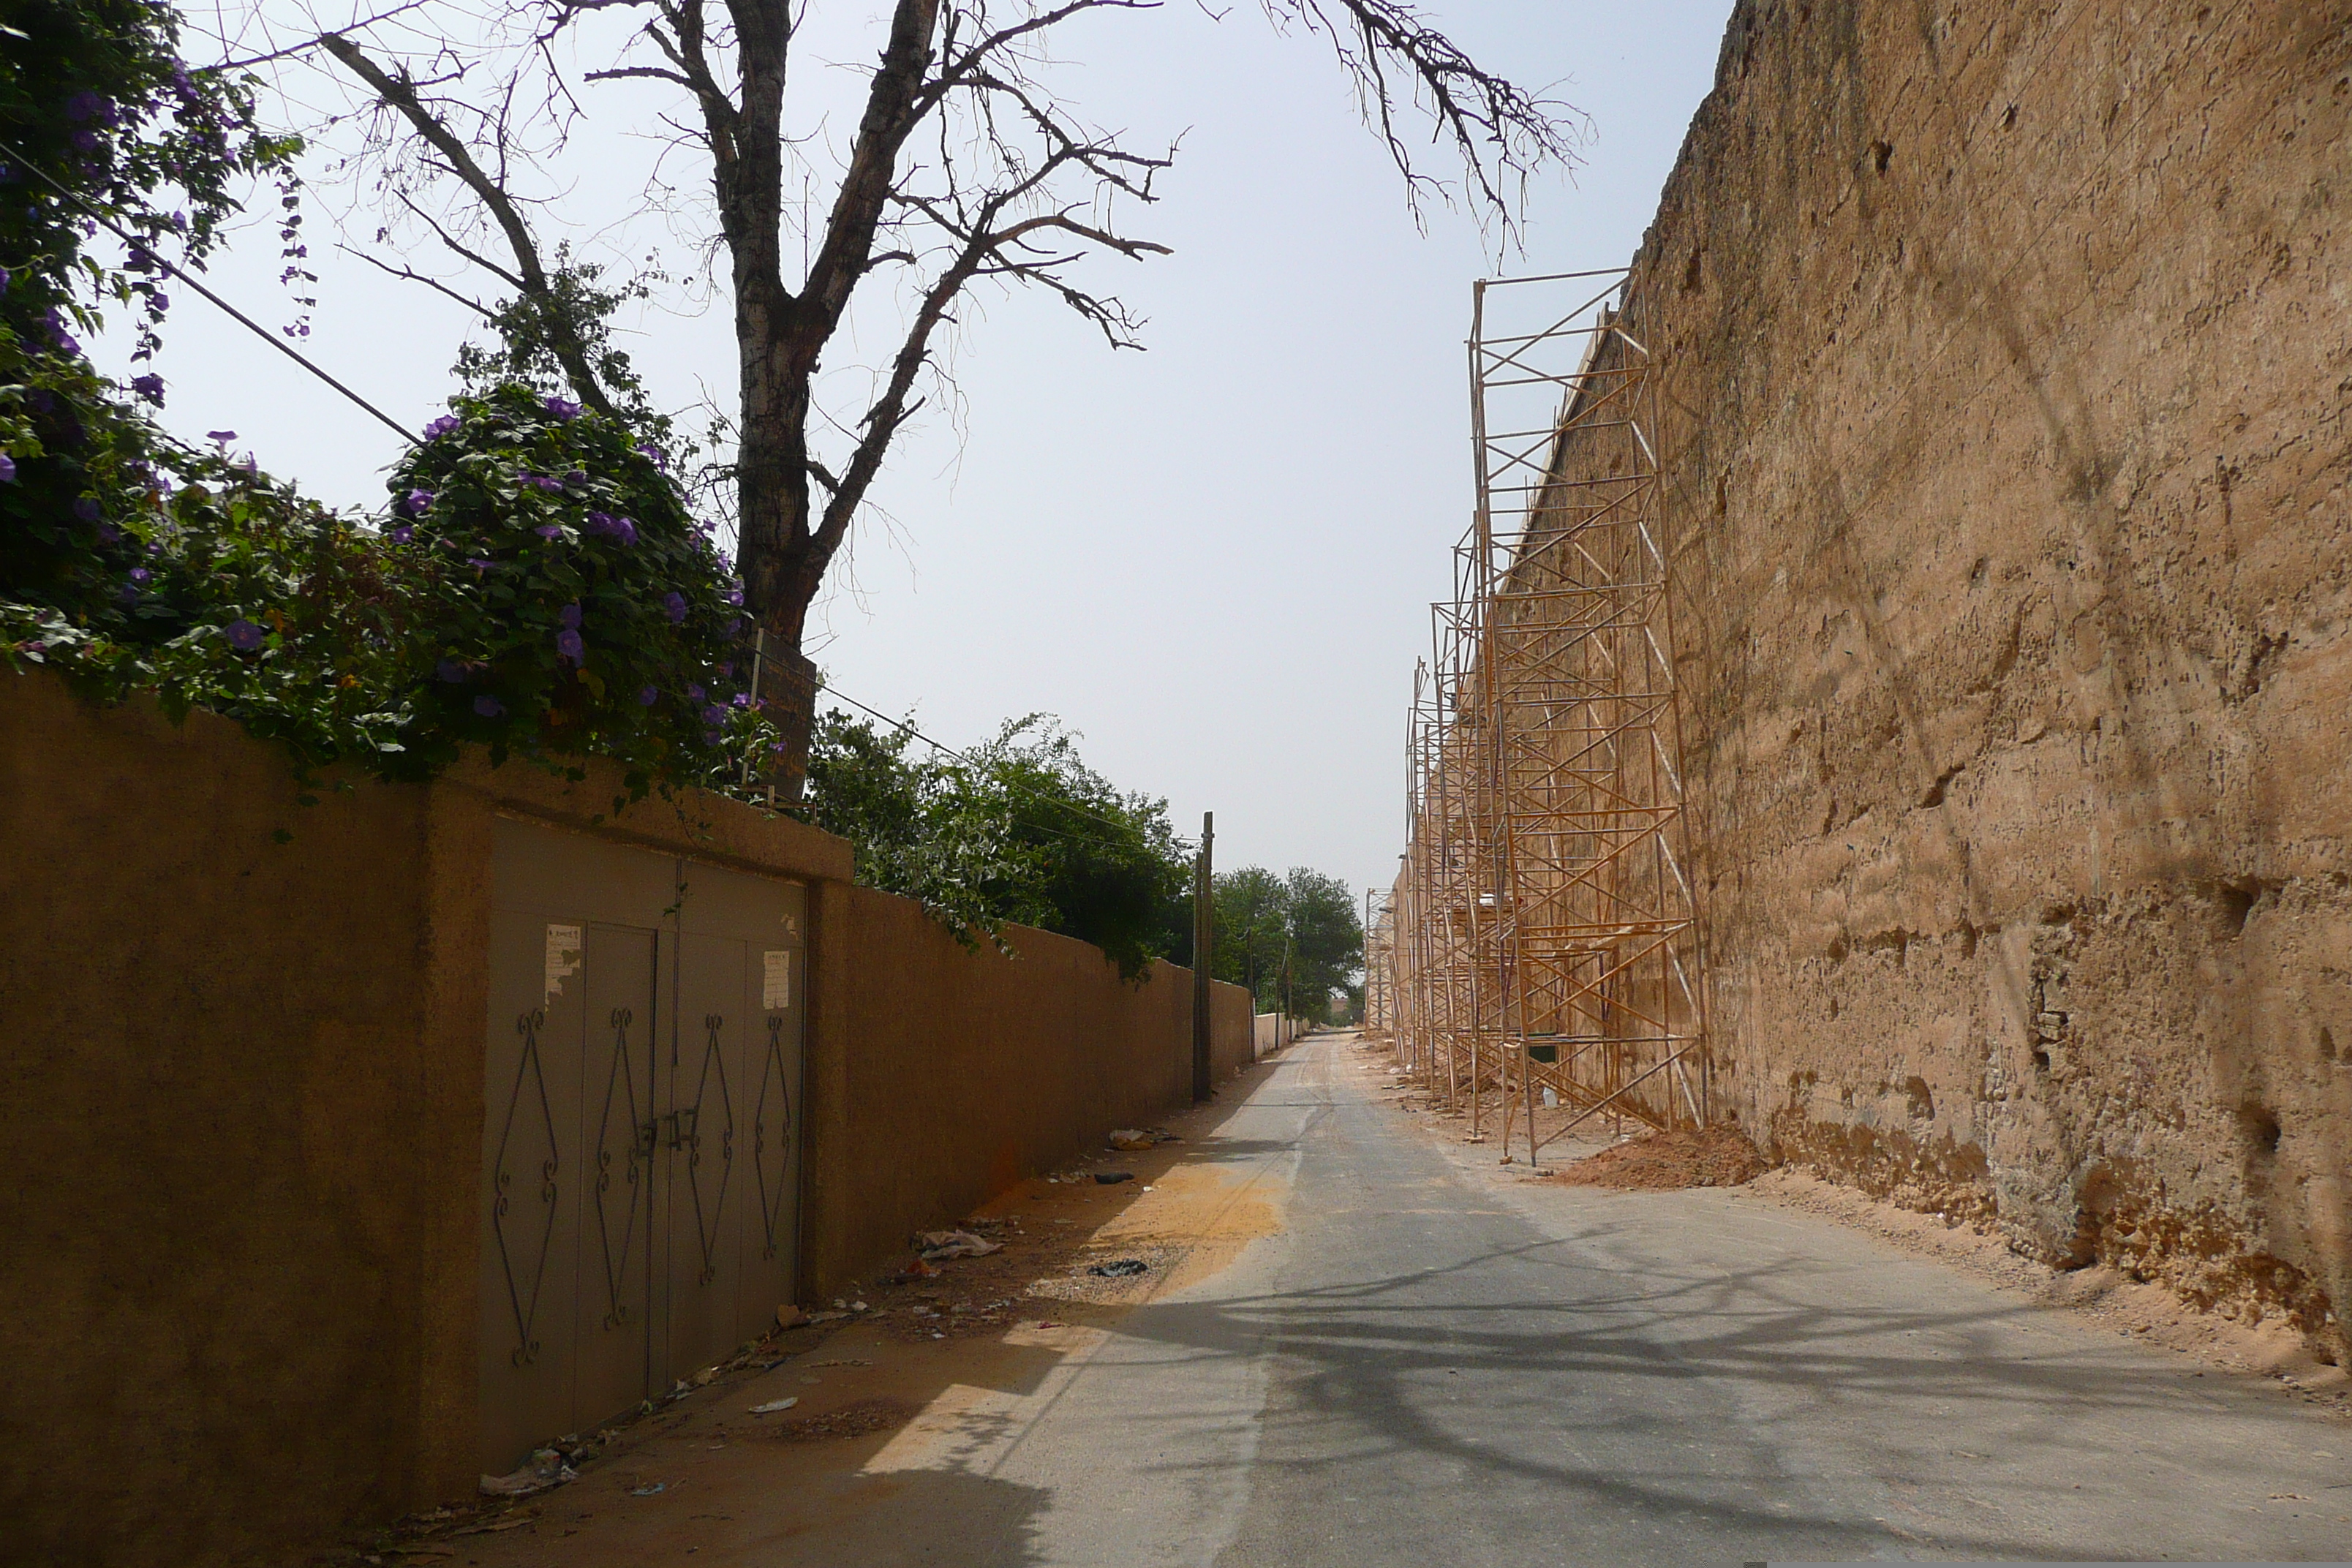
(415, 503)
(180, 222)
(733, 626)
(563, 410)
(625, 528)
(673, 604)
(242, 634)
(4, 280)
(659, 458)
(149, 386)
(726, 672)
(451, 671)
(741, 699)
(160, 301)
(570, 617)
(548, 531)
(441, 426)
(220, 438)
(576, 476)
(479, 563)
(109, 534)
(401, 534)
(86, 141)
(648, 697)
(693, 692)
(85, 508)
(86, 105)
(735, 595)
(488, 707)
(571, 645)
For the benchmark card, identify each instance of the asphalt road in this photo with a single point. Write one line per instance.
(1407, 1357)
(1429, 1366)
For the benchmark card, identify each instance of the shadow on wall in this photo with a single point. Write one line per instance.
(2003, 406)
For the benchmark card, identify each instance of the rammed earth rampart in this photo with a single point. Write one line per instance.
(2007, 354)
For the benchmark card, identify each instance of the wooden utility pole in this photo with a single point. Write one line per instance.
(1204, 946)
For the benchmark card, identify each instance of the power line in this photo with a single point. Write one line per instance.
(966, 757)
(264, 334)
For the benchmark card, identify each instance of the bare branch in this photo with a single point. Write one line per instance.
(400, 94)
(411, 275)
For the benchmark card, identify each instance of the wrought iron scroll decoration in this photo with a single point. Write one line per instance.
(707, 1227)
(527, 1068)
(622, 1080)
(772, 1071)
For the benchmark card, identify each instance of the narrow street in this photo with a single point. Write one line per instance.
(1374, 1346)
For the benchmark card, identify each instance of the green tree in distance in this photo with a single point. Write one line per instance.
(1301, 927)
(1017, 829)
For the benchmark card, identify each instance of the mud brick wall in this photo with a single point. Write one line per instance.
(955, 1074)
(2006, 354)
(241, 1084)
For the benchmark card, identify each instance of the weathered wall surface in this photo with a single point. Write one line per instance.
(241, 1085)
(229, 1117)
(946, 1076)
(2008, 350)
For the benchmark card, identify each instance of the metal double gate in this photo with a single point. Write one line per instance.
(640, 1153)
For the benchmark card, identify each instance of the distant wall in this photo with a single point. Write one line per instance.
(950, 1075)
(2007, 352)
(241, 1085)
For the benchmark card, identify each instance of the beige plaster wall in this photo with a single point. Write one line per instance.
(2006, 354)
(942, 1076)
(241, 1084)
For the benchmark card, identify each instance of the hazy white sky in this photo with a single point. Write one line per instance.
(1212, 559)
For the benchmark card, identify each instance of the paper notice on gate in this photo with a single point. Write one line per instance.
(775, 981)
(562, 959)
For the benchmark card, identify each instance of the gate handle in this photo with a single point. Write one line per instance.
(681, 1127)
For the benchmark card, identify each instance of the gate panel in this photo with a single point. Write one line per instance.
(768, 920)
(531, 1179)
(617, 1131)
(640, 1146)
(709, 1126)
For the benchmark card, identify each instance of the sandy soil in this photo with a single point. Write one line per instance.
(895, 1351)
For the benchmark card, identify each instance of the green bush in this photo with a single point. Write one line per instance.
(537, 587)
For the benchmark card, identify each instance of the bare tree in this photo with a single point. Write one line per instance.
(963, 166)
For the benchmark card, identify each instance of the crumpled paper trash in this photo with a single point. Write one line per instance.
(936, 1245)
(544, 1469)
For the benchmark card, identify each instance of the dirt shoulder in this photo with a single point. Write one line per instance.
(702, 1474)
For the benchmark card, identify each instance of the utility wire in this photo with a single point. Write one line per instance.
(264, 334)
(966, 757)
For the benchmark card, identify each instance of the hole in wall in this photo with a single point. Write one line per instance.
(2259, 1127)
(2041, 1059)
(2326, 1043)
(1881, 154)
(1923, 1103)
(2233, 901)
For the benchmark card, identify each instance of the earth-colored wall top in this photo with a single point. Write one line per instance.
(2007, 351)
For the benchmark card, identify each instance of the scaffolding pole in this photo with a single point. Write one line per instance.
(1543, 935)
